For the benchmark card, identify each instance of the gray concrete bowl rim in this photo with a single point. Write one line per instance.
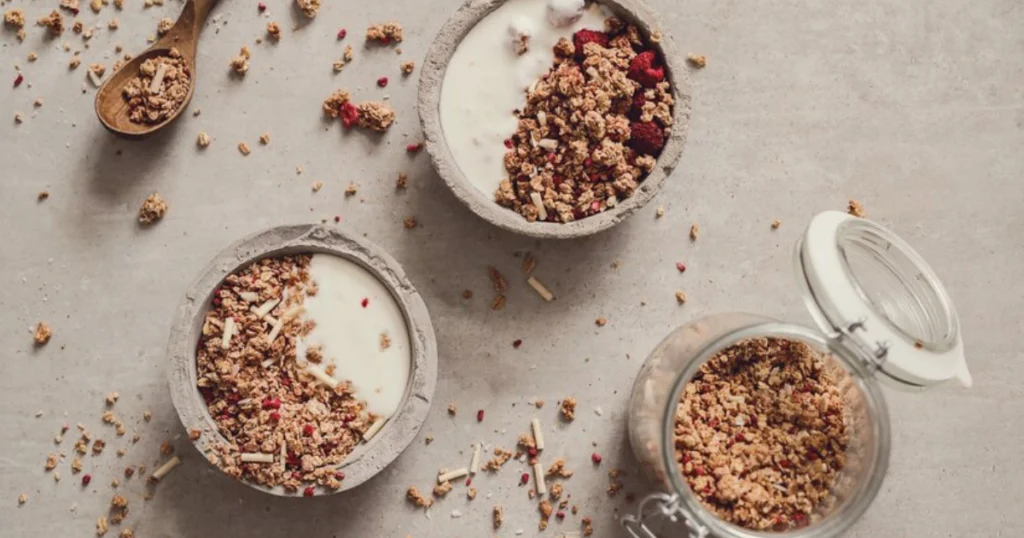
(399, 431)
(483, 204)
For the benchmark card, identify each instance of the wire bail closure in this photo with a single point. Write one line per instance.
(657, 506)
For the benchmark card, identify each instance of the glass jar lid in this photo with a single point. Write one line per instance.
(873, 295)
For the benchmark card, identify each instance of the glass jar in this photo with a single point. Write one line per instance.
(882, 315)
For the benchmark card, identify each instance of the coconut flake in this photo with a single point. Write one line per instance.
(275, 330)
(539, 204)
(229, 331)
(474, 462)
(249, 296)
(540, 288)
(452, 475)
(321, 375)
(165, 468)
(266, 307)
(374, 428)
(538, 434)
(542, 117)
(538, 476)
(548, 143)
(456, 514)
(598, 411)
(94, 78)
(156, 84)
(257, 457)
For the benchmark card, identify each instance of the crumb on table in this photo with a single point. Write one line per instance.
(54, 22)
(855, 208)
(309, 8)
(386, 33)
(567, 408)
(240, 64)
(42, 334)
(697, 60)
(153, 209)
(415, 497)
(407, 67)
(203, 140)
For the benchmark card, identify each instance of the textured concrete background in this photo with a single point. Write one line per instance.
(915, 108)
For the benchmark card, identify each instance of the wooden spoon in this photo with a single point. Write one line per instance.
(111, 107)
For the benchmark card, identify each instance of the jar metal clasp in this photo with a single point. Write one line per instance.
(874, 359)
(657, 506)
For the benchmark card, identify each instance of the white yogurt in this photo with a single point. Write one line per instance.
(350, 334)
(486, 79)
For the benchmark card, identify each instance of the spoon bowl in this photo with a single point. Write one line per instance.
(112, 108)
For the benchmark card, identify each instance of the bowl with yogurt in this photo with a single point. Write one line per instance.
(302, 360)
(554, 118)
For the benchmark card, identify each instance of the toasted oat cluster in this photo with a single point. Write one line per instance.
(153, 209)
(592, 127)
(372, 115)
(159, 89)
(386, 33)
(760, 434)
(285, 425)
(15, 18)
(54, 22)
(309, 7)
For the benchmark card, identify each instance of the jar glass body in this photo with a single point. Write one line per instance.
(659, 386)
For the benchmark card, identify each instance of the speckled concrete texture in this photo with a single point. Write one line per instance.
(483, 204)
(914, 108)
(398, 432)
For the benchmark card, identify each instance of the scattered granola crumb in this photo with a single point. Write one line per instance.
(498, 303)
(32, 56)
(680, 297)
(38, 102)
(43, 195)
(51, 461)
(164, 26)
(309, 7)
(17, 118)
(568, 408)
(22, 499)
(112, 398)
(101, 526)
(428, 439)
(410, 223)
(467, 294)
(855, 208)
(539, 403)
(74, 63)
(385, 341)
(317, 185)
(114, 24)
(559, 469)
(351, 190)
(414, 496)
(694, 231)
(407, 67)
(556, 491)
(615, 485)
(42, 334)
(241, 62)
(385, 34)
(118, 502)
(153, 209)
(96, 5)
(147, 415)
(471, 493)
(14, 18)
(697, 60)
(497, 280)
(54, 22)
(403, 181)
(498, 516)
(776, 223)
(441, 490)
(127, 533)
(588, 527)
(97, 446)
(601, 321)
(274, 31)
(244, 149)
(545, 514)
(203, 140)
(452, 409)
(375, 115)
(265, 138)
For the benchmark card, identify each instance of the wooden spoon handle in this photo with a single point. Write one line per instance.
(202, 9)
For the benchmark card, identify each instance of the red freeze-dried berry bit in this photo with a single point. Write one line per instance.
(516, 343)
(382, 82)
(337, 218)
(560, 514)
(18, 79)
(339, 475)
(307, 430)
(413, 148)
(349, 115)
(643, 69)
(596, 458)
(508, 142)
(686, 459)
(468, 482)
(74, 11)
(680, 267)
(646, 137)
(524, 479)
(698, 470)
(275, 416)
(740, 438)
(480, 415)
(342, 33)
(261, 7)
(86, 478)
(272, 403)
(365, 302)
(583, 37)
(308, 492)
(532, 451)
(785, 464)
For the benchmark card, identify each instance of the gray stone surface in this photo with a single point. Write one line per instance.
(914, 108)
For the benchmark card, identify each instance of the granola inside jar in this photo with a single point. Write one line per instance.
(749, 425)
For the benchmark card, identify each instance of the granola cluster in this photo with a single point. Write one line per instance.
(760, 434)
(309, 7)
(159, 89)
(385, 34)
(285, 425)
(54, 22)
(371, 115)
(153, 209)
(592, 127)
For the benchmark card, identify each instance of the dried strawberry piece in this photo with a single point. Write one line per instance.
(342, 33)
(583, 37)
(596, 458)
(643, 68)
(639, 100)
(307, 430)
(261, 7)
(525, 478)
(308, 492)
(86, 478)
(646, 137)
(349, 115)
(382, 82)
(413, 148)
(365, 302)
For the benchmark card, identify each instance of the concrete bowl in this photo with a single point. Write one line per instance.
(383, 448)
(483, 204)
